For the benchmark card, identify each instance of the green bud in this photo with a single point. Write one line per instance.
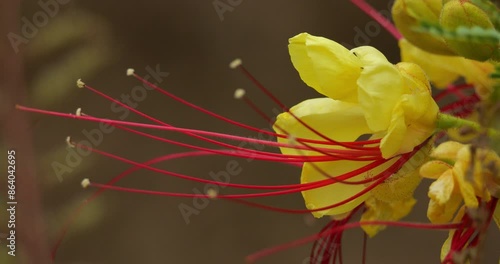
(409, 14)
(458, 13)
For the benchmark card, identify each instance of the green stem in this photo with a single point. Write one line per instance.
(445, 121)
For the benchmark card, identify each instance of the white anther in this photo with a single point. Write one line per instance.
(235, 63)
(80, 83)
(78, 111)
(239, 93)
(212, 193)
(68, 142)
(130, 72)
(85, 183)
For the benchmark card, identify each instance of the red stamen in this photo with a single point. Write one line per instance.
(453, 89)
(289, 188)
(191, 131)
(266, 252)
(371, 12)
(286, 109)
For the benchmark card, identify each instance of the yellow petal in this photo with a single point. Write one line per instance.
(413, 121)
(416, 80)
(447, 244)
(337, 120)
(379, 210)
(392, 141)
(440, 69)
(461, 174)
(401, 185)
(434, 168)
(447, 150)
(445, 199)
(337, 192)
(478, 73)
(326, 66)
(380, 87)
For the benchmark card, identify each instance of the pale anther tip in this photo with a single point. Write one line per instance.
(78, 111)
(85, 183)
(130, 72)
(235, 63)
(80, 83)
(239, 93)
(212, 193)
(69, 143)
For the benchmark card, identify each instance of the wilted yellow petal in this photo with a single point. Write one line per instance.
(445, 198)
(461, 174)
(337, 120)
(434, 168)
(379, 210)
(326, 66)
(447, 150)
(401, 185)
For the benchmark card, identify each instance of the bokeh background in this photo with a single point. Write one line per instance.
(98, 41)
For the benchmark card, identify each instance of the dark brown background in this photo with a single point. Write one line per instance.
(187, 39)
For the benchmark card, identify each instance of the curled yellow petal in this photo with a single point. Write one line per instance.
(447, 150)
(462, 173)
(412, 122)
(401, 185)
(445, 198)
(326, 66)
(434, 169)
(384, 211)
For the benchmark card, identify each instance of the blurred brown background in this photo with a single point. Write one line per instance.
(99, 40)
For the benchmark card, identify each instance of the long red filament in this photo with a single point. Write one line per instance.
(254, 257)
(286, 109)
(385, 22)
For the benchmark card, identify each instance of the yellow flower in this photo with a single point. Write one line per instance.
(464, 181)
(444, 70)
(368, 95)
(395, 99)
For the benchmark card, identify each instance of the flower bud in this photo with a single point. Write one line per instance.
(409, 14)
(458, 13)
